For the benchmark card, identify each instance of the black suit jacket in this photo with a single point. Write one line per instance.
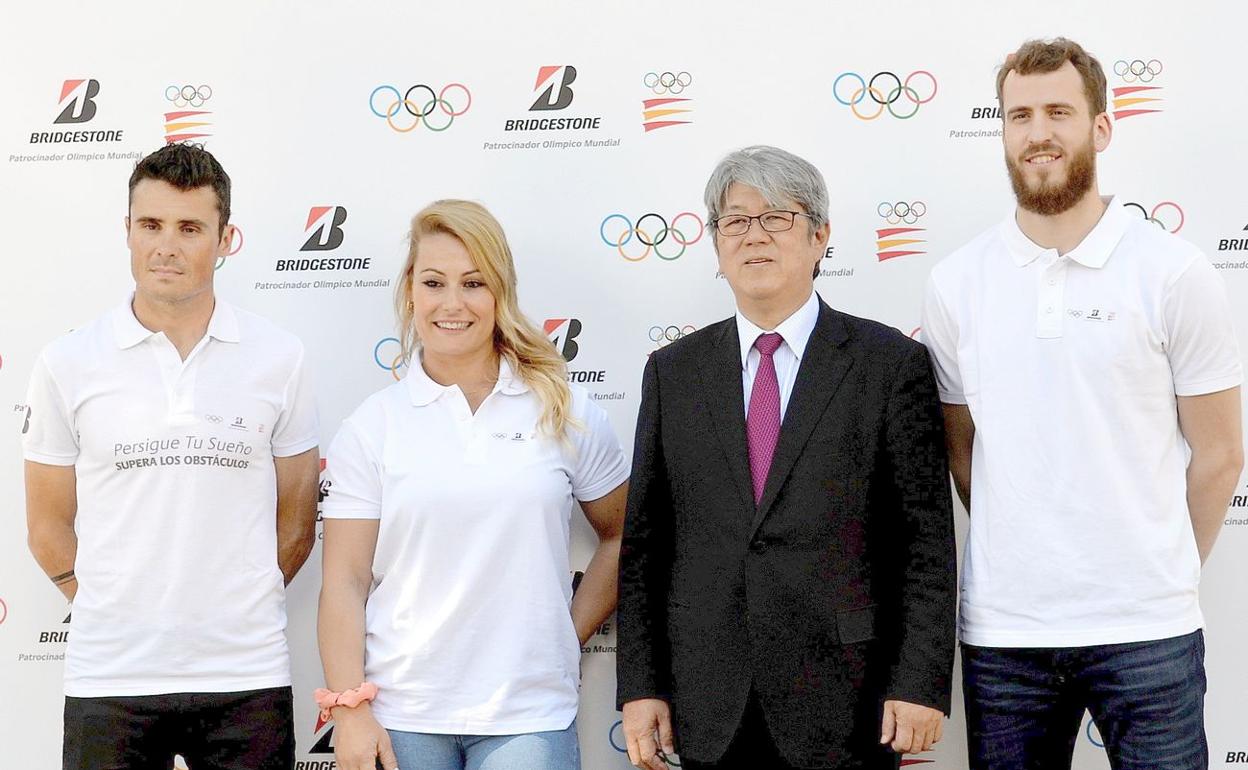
(833, 594)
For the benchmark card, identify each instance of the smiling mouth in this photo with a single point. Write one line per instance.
(758, 261)
(452, 326)
(1042, 158)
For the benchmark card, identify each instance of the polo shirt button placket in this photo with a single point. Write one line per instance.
(1050, 305)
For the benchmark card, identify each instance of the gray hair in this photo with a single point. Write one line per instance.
(778, 175)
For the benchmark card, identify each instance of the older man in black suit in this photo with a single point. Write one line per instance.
(787, 575)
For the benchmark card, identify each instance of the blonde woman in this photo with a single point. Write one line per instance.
(448, 631)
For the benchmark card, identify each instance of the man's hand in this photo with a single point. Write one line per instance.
(643, 718)
(908, 727)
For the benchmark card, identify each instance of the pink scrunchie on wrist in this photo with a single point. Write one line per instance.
(327, 699)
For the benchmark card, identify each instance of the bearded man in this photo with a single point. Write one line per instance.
(1082, 355)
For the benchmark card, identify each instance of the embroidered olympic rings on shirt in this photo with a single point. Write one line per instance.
(418, 107)
(188, 96)
(667, 82)
(651, 231)
(899, 212)
(1137, 69)
(885, 89)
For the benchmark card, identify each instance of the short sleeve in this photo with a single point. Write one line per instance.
(940, 335)
(598, 465)
(296, 430)
(49, 435)
(352, 476)
(1200, 337)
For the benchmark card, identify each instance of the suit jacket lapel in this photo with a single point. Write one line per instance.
(721, 382)
(823, 368)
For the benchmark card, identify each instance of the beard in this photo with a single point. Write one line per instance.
(1047, 198)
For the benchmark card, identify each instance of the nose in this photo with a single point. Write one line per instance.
(167, 243)
(755, 232)
(453, 297)
(1039, 129)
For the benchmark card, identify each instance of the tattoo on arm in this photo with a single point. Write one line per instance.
(62, 578)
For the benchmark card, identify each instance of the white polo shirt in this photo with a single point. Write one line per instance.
(1079, 528)
(467, 626)
(178, 584)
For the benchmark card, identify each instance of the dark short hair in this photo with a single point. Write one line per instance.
(1040, 56)
(186, 167)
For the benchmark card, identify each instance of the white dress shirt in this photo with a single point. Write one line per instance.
(795, 330)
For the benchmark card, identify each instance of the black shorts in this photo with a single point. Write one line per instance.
(250, 730)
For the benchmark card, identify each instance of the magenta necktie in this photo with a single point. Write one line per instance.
(762, 421)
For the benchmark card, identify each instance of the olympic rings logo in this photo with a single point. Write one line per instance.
(1153, 216)
(885, 99)
(1137, 69)
(188, 96)
(663, 336)
(644, 237)
(667, 82)
(396, 363)
(420, 110)
(237, 247)
(899, 212)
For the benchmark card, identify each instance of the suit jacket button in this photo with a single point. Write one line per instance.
(758, 545)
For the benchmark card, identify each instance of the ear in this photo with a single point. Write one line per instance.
(821, 235)
(1102, 131)
(126, 220)
(227, 239)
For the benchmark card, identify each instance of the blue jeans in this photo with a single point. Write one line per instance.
(552, 750)
(1024, 705)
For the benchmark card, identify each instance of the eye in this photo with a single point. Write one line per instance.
(432, 283)
(775, 217)
(148, 225)
(190, 230)
(473, 283)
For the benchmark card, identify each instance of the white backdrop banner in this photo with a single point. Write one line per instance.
(589, 130)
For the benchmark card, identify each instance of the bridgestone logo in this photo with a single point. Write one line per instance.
(56, 137)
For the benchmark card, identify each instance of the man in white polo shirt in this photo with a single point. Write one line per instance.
(1083, 355)
(171, 479)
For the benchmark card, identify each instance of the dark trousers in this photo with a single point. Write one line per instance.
(752, 747)
(1024, 705)
(252, 730)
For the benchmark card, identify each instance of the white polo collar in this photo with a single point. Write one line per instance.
(1093, 251)
(128, 332)
(423, 390)
(796, 329)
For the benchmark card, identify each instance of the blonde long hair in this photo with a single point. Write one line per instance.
(532, 357)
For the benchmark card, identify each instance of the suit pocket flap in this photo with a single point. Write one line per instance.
(856, 625)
